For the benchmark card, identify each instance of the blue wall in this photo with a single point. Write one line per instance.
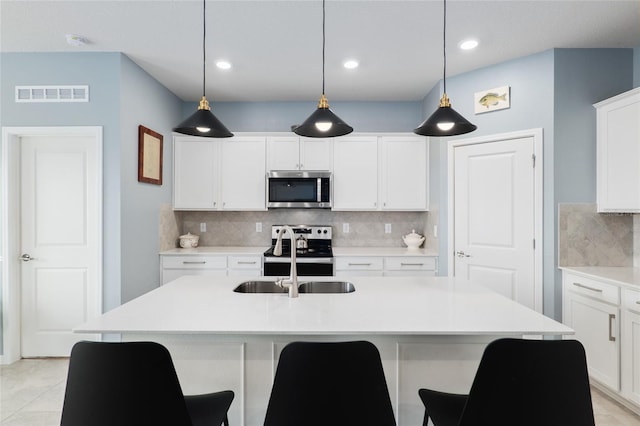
(553, 90)
(121, 96)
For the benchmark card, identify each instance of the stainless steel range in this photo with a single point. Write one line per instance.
(313, 252)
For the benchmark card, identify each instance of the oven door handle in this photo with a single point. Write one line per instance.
(287, 259)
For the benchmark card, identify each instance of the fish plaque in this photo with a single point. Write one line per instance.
(492, 99)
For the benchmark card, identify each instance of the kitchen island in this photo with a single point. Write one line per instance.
(430, 332)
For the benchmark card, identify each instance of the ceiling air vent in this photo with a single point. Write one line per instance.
(52, 93)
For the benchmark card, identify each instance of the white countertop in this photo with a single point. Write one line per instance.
(221, 250)
(381, 251)
(337, 251)
(622, 275)
(379, 306)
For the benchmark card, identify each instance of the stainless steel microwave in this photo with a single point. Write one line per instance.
(299, 189)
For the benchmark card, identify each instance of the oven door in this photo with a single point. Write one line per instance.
(307, 267)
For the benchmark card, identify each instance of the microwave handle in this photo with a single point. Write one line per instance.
(319, 190)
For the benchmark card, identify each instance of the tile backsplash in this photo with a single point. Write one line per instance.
(588, 238)
(366, 229)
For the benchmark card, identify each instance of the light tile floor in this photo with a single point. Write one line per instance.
(32, 392)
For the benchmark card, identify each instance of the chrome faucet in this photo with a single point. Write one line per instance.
(292, 282)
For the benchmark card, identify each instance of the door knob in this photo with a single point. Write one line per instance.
(462, 254)
(26, 257)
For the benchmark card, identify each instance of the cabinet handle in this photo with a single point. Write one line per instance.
(187, 262)
(411, 264)
(246, 263)
(359, 264)
(599, 290)
(612, 317)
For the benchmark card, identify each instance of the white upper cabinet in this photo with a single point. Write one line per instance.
(355, 173)
(219, 174)
(195, 173)
(299, 153)
(618, 153)
(404, 183)
(242, 181)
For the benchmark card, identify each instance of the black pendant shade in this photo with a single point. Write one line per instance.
(203, 122)
(445, 121)
(322, 123)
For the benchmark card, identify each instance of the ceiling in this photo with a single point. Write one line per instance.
(275, 46)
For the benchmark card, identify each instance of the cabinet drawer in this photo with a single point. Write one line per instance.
(410, 263)
(245, 262)
(631, 300)
(359, 263)
(592, 288)
(195, 262)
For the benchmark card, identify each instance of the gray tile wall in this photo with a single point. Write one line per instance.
(588, 238)
(239, 228)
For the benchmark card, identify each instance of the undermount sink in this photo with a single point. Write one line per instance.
(326, 287)
(309, 287)
(259, 287)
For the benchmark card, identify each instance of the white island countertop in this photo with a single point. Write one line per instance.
(380, 306)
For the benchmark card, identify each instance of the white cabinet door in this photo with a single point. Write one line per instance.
(242, 171)
(630, 346)
(405, 168)
(596, 327)
(195, 173)
(316, 153)
(284, 152)
(618, 153)
(355, 173)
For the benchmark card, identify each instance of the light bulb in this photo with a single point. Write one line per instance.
(203, 129)
(323, 126)
(446, 125)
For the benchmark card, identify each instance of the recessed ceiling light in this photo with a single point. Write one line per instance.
(223, 65)
(76, 40)
(468, 44)
(351, 64)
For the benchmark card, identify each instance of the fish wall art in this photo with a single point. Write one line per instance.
(492, 99)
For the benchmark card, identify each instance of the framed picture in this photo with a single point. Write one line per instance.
(149, 156)
(492, 99)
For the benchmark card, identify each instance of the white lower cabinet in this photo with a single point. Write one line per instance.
(421, 266)
(359, 266)
(245, 265)
(388, 266)
(630, 345)
(173, 267)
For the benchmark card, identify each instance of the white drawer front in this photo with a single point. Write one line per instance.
(358, 263)
(195, 262)
(245, 262)
(631, 300)
(410, 263)
(592, 288)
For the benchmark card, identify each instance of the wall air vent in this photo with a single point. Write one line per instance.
(52, 93)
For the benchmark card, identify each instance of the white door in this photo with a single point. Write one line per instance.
(61, 233)
(495, 218)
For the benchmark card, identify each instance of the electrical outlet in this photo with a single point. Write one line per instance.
(258, 226)
(203, 227)
(345, 228)
(387, 228)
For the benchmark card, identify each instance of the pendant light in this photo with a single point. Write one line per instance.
(445, 121)
(203, 122)
(322, 123)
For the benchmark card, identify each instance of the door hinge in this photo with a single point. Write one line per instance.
(533, 159)
(534, 243)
